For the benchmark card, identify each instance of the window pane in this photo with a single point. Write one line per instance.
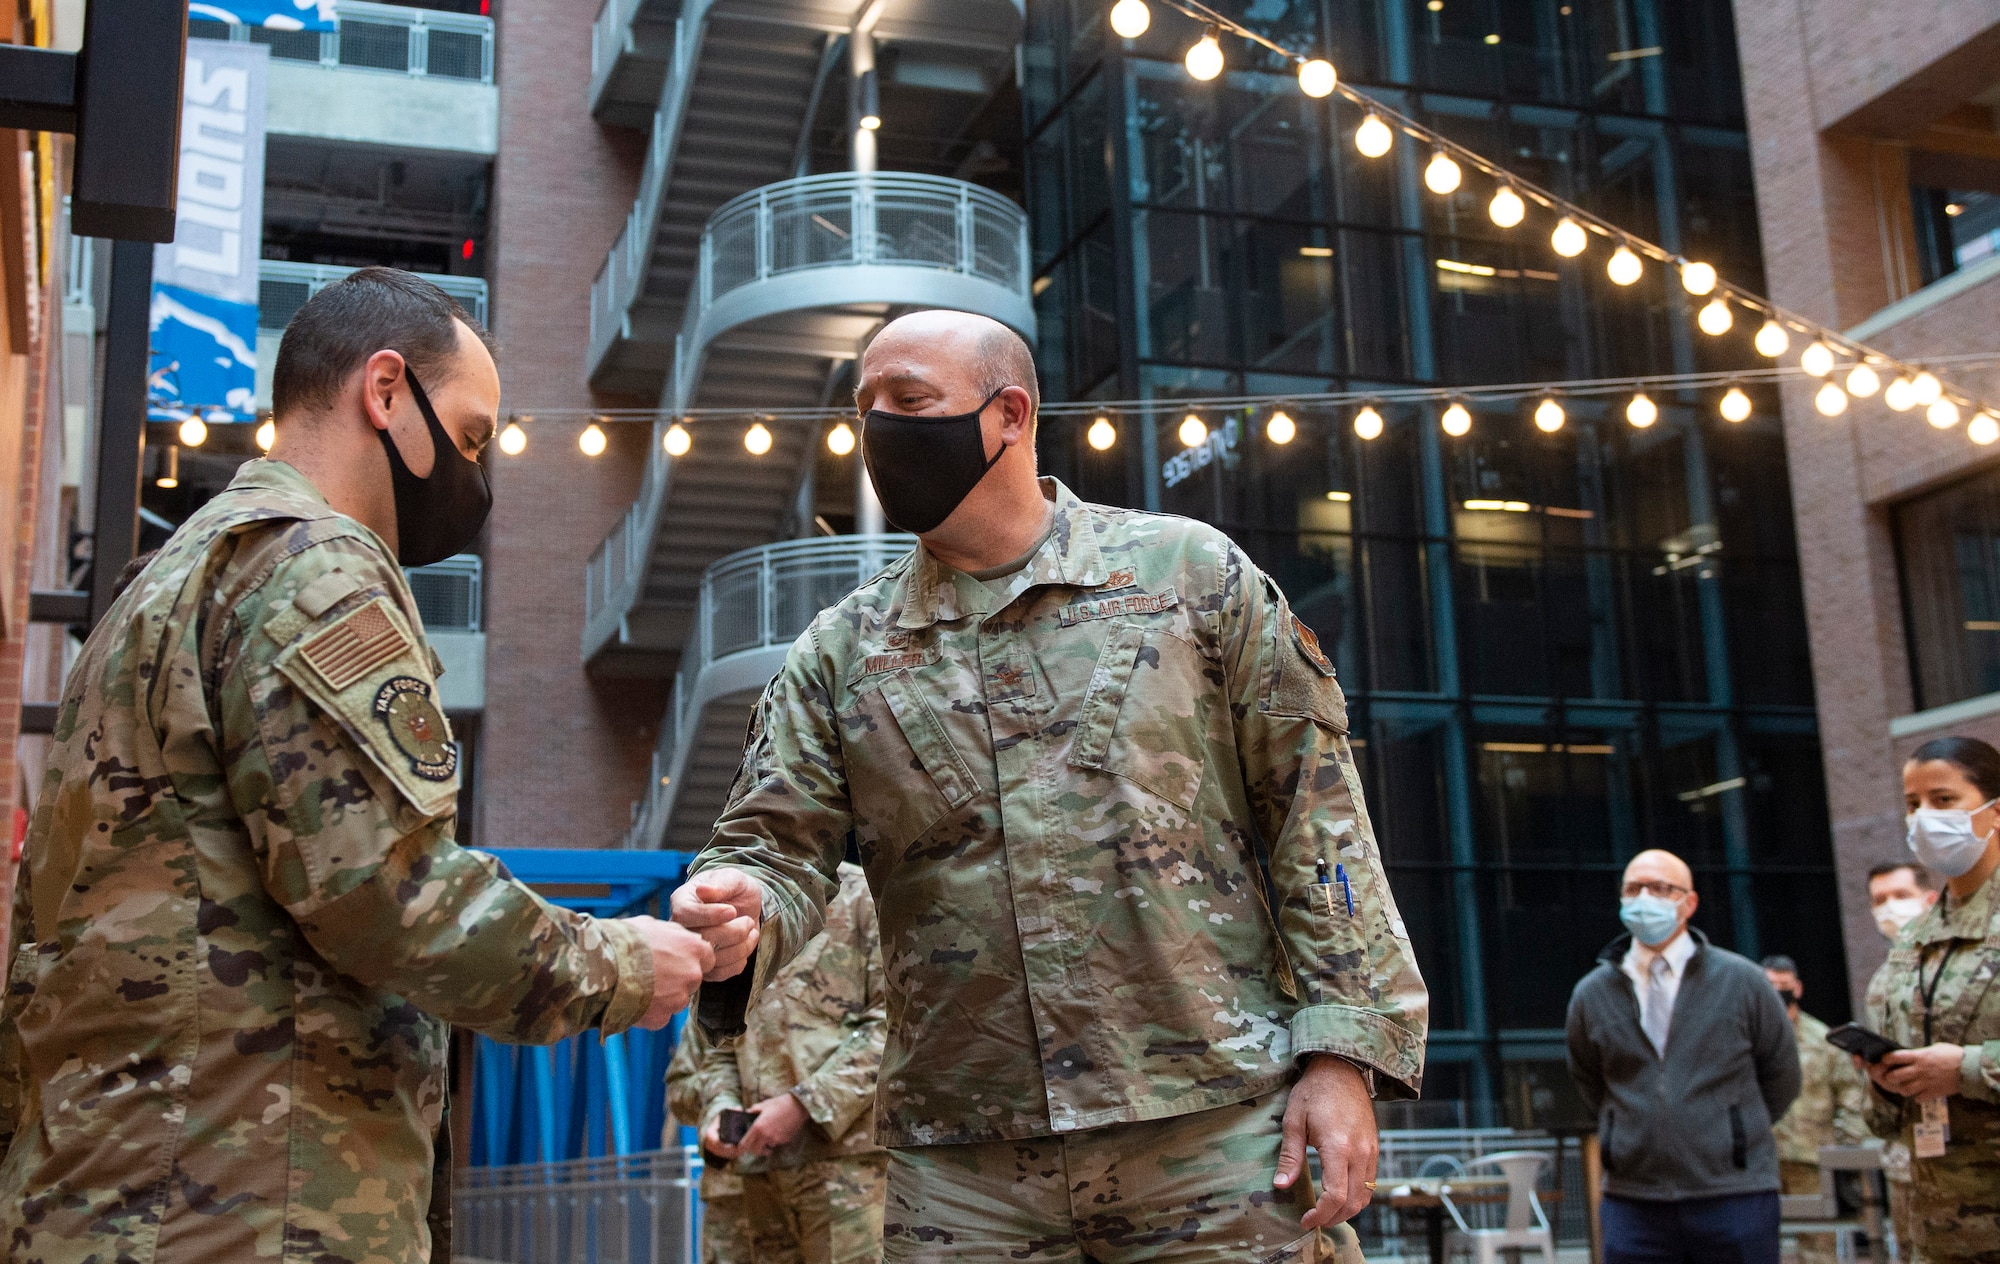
(1949, 547)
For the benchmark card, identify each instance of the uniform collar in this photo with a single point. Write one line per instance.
(934, 591)
(266, 475)
(1974, 919)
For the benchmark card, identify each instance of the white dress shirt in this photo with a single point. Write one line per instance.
(1638, 965)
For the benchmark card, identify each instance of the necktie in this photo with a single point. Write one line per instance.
(1658, 1012)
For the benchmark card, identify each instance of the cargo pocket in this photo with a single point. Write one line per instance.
(1145, 718)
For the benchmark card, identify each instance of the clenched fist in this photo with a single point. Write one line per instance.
(725, 907)
(680, 958)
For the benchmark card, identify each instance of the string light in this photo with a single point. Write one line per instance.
(677, 440)
(1983, 429)
(194, 432)
(1735, 405)
(1317, 77)
(1130, 18)
(1771, 340)
(1102, 434)
(513, 440)
(1507, 209)
(1457, 421)
(267, 434)
(1642, 411)
(1942, 414)
(1817, 359)
(1193, 431)
(1568, 240)
(1281, 429)
(1204, 59)
(1624, 267)
(1925, 389)
(1442, 175)
(1368, 422)
(757, 439)
(1830, 400)
(1900, 396)
(1698, 278)
(591, 441)
(170, 469)
(1373, 138)
(1863, 382)
(1549, 416)
(1715, 317)
(840, 439)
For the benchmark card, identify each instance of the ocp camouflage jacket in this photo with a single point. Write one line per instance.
(1068, 798)
(242, 923)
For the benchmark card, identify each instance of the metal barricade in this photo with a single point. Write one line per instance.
(630, 1209)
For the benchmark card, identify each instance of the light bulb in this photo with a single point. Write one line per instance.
(194, 432)
(1568, 240)
(513, 440)
(1549, 416)
(591, 441)
(1900, 395)
(1204, 60)
(1368, 423)
(1456, 420)
(1925, 389)
(1735, 405)
(1642, 411)
(1863, 382)
(1830, 400)
(1507, 209)
(1771, 339)
(757, 439)
(267, 434)
(1698, 278)
(1442, 175)
(1983, 429)
(1373, 138)
(1943, 414)
(1317, 77)
(1624, 267)
(677, 440)
(1130, 18)
(871, 122)
(1715, 317)
(1817, 359)
(840, 439)
(1193, 432)
(1102, 434)
(1281, 429)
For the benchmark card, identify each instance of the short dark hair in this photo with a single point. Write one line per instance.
(1979, 762)
(368, 310)
(1917, 871)
(1779, 963)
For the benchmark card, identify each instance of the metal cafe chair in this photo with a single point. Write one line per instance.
(1524, 1224)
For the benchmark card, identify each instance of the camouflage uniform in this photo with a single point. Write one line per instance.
(816, 1032)
(724, 1238)
(1091, 806)
(1955, 1200)
(1831, 1109)
(242, 923)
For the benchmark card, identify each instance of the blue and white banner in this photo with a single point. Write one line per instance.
(278, 15)
(205, 280)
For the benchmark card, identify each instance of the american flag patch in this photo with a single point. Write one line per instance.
(355, 646)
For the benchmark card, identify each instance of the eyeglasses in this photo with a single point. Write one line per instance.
(1665, 890)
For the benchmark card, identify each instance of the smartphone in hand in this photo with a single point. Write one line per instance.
(1870, 1046)
(733, 1125)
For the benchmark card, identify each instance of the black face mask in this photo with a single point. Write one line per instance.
(925, 467)
(1789, 997)
(436, 516)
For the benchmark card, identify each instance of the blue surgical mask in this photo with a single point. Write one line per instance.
(1651, 919)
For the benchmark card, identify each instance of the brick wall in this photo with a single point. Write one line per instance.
(1834, 225)
(561, 755)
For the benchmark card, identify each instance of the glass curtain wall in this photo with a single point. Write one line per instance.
(1559, 648)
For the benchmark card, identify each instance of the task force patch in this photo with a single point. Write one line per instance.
(403, 705)
(1308, 644)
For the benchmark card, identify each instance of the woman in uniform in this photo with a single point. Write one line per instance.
(1938, 996)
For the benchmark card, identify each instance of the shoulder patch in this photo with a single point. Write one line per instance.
(1308, 645)
(403, 705)
(356, 645)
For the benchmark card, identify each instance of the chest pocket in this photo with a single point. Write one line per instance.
(911, 784)
(1145, 717)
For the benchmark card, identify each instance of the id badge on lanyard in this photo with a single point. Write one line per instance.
(1932, 1132)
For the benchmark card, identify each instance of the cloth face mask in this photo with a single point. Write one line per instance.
(436, 516)
(924, 467)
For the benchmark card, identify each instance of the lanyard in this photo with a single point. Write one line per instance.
(1929, 993)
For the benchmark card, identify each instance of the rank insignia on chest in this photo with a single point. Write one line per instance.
(1308, 643)
(1115, 607)
(403, 704)
(1121, 579)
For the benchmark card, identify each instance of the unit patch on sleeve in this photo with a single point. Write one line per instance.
(1308, 644)
(403, 705)
(356, 645)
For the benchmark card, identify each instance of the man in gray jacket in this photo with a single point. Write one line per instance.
(1684, 1052)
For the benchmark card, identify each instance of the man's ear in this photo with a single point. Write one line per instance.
(1017, 414)
(381, 375)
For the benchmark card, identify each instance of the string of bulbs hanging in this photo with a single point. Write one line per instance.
(1826, 352)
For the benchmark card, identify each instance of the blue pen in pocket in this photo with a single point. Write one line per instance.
(1346, 888)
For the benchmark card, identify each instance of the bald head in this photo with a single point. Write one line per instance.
(1660, 866)
(990, 355)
